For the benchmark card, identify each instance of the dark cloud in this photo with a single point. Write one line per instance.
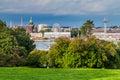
(60, 7)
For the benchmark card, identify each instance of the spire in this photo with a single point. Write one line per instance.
(30, 19)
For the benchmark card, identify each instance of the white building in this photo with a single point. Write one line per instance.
(115, 37)
(56, 27)
(36, 35)
(57, 34)
(42, 26)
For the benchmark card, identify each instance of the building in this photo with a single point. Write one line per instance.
(36, 36)
(16, 27)
(107, 34)
(57, 34)
(65, 29)
(42, 27)
(55, 28)
(54, 32)
(31, 27)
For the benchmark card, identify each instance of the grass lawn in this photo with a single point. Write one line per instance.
(24, 73)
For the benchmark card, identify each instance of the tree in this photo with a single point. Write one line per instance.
(75, 33)
(91, 53)
(23, 39)
(8, 46)
(57, 51)
(72, 58)
(86, 28)
(7, 41)
(37, 58)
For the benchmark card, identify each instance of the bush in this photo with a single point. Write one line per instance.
(37, 58)
(10, 60)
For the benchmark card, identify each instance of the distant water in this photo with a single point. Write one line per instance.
(43, 45)
(63, 20)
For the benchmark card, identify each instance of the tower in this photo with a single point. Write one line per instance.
(31, 20)
(105, 25)
(31, 26)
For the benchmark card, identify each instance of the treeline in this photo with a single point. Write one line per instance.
(78, 53)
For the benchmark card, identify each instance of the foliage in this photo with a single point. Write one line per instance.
(8, 46)
(15, 45)
(37, 58)
(57, 51)
(23, 39)
(86, 28)
(74, 33)
(72, 58)
(89, 52)
(10, 60)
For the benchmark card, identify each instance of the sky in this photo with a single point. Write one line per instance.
(66, 12)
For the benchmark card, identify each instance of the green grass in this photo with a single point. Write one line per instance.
(24, 73)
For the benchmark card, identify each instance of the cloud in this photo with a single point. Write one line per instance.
(60, 7)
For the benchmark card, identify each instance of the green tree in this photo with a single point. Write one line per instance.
(86, 28)
(112, 55)
(57, 51)
(23, 39)
(72, 57)
(8, 47)
(91, 53)
(37, 58)
(75, 33)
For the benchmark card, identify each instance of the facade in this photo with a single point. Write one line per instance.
(34, 35)
(55, 28)
(65, 29)
(109, 35)
(16, 27)
(50, 35)
(42, 27)
(56, 31)
(115, 37)
(57, 34)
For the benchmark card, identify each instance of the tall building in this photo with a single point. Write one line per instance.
(105, 25)
(31, 27)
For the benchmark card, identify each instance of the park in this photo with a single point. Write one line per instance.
(25, 73)
(78, 59)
